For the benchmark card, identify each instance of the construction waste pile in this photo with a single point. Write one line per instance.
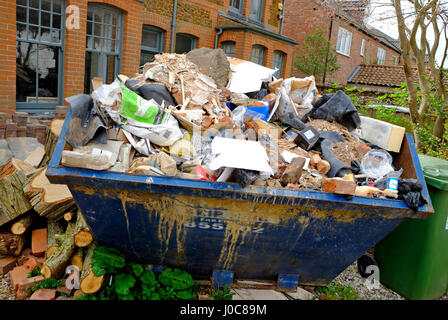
(208, 117)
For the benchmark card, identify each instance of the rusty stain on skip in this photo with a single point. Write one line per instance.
(174, 212)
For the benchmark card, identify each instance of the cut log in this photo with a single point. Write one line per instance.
(51, 201)
(69, 216)
(11, 244)
(78, 259)
(90, 284)
(54, 266)
(54, 228)
(35, 158)
(22, 225)
(54, 130)
(83, 238)
(13, 202)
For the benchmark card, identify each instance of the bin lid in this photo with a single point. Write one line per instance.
(435, 171)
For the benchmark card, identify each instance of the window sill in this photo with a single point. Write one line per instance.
(256, 21)
(235, 13)
(343, 54)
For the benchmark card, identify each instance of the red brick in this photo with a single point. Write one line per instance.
(339, 186)
(18, 274)
(39, 242)
(7, 264)
(323, 166)
(44, 294)
(22, 292)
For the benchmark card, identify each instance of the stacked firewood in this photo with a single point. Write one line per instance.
(36, 214)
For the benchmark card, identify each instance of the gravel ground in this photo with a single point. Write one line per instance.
(351, 277)
(6, 291)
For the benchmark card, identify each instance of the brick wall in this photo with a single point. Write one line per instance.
(8, 56)
(196, 17)
(76, 42)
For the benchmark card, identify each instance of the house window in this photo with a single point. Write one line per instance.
(185, 42)
(152, 43)
(236, 6)
(363, 47)
(344, 42)
(278, 63)
(104, 43)
(256, 9)
(229, 48)
(395, 60)
(39, 56)
(258, 53)
(381, 56)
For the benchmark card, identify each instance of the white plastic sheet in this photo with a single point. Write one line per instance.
(247, 76)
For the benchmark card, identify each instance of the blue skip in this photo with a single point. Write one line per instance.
(254, 233)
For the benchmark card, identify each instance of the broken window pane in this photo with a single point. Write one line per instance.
(26, 58)
(48, 74)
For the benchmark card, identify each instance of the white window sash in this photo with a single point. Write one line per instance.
(344, 41)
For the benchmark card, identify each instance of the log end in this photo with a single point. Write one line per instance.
(77, 262)
(83, 238)
(18, 228)
(46, 272)
(91, 284)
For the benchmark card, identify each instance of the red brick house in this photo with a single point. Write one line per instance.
(51, 49)
(354, 42)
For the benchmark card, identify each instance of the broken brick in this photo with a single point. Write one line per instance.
(18, 274)
(339, 186)
(22, 292)
(271, 98)
(64, 290)
(7, 264)
(315, 159)
(363, 149)
(44, 294)
(323, 166)
(207, 122)
(31, 263)
(39, 242)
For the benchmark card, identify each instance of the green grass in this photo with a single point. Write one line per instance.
(335, 291)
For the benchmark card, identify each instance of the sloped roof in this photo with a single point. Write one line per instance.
(389, 76)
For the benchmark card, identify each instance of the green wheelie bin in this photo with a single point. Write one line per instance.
(413, 259)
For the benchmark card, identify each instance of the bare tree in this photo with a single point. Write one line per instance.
(415, 19)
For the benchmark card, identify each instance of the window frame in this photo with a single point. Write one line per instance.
(224, 43)
(381, 58)
(194, 43)
(234, 9)
(160, 39)
(118, 55)
(259, 16)
(363, 47)
(343, 34)
(282, 67)
(44, 107)
(263, 51)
